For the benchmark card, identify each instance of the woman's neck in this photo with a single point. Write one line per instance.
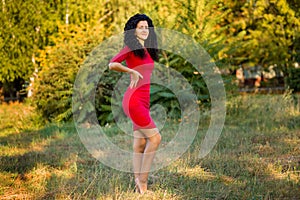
(142, 42)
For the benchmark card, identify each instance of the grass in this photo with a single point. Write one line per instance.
(256, 157)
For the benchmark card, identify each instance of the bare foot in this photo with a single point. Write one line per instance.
(141, 187)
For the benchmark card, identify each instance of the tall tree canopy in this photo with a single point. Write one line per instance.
(262, 32)
(55, 36)
(26, 26)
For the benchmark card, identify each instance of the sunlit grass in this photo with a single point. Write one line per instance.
(256, 157)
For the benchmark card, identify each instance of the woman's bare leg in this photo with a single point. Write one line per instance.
(153, 140)
(139, 145)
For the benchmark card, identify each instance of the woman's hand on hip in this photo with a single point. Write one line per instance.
(135, 77)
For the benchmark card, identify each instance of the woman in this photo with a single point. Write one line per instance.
(139, 52)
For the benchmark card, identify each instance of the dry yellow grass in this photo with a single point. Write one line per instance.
(256, 157)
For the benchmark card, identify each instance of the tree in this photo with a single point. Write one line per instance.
(26, 28)
(90, 25)
(265, 32)
(60, 62)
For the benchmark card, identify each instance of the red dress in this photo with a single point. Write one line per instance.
(136, 101)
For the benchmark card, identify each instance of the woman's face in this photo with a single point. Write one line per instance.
(142, 30)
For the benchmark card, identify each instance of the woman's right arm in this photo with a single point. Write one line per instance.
(116, 66)
(135, 75)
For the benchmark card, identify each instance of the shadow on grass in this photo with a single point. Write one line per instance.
(71, 172)
(74, 174)
(44, 141)
(227, 178)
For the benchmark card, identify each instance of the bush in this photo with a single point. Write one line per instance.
(60, 64)
(293, 79)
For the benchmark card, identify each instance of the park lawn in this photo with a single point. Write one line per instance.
(257, 157)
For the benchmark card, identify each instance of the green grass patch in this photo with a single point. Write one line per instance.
(257, 157)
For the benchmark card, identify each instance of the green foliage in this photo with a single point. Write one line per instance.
(295, 5)
(94, 86)
(103, 98)
(232, 32)
(61, 61)
(166, 98)
(18, 35)
(197, 21)
(293, 79)
(26, 27)
(262, 32)
(60, 64)
(189, 72)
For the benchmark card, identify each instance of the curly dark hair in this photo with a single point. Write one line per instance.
(132, 42)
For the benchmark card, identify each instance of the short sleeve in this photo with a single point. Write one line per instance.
(122, 55)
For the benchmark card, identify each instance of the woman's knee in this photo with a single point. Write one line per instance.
(139, 146)
(159, 137)
(156, 139)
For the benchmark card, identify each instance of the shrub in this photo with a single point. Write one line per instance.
(60, 64)
(293, 79)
